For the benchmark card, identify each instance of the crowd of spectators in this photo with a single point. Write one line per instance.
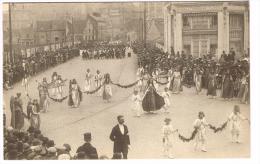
(104, 51)
(34, 64)
(33, 145)
(152, 58)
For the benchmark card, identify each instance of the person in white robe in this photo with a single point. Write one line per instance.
(137, 106)
(167, 132)
(235, 119)
(88, 80)
(98, 82)
(200, 124)
(166, 96)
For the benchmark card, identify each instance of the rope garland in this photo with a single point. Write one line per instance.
(193, 134)
(219, 129)
(125, 86)
(58, 100)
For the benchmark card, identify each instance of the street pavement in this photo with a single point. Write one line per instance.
(67, 125)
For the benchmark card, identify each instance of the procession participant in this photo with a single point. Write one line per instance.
(176, 82)
(235, 119)
(12, 108)
(152, 101)
(120, 136)
(107, 91)
(243, 91)
(59, 84)
(98, 81)
(167, 132)
(35, 115)
(155, 75)
(25, 83)
(227, 85)
(53, 81)
(166, 96)
(137, 103)
(169, 77)
(88, 80)
(43, 95)
(197, 79)
(18, 107)
(212, 84)
(139, 75)
(200, 124)
(75, 94)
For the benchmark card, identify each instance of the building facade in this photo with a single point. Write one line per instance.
(199, 28)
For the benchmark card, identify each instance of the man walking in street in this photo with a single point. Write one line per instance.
(120, 137)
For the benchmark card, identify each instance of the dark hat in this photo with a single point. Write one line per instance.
(50, 143)
(67, 147)
(31, 129)
(36, 142)
(18, 94)
(167, 120)
(37, 131)
(87, 136)
(11, 146)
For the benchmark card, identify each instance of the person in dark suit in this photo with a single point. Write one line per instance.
(119, 135)
(87, 148)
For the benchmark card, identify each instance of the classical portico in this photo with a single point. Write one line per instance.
(202, 27)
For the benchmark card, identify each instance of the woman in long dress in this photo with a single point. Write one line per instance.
(198, 80)
(243, 91)
(88, 80)
(107, 92)
(59, 84)
(12, 99)
(176, 82)
(152, 101)
(227, 86)
(212, 84)
(35, 115)
(54, 87)
(43, 95)
(25, 83)
(19, 116)
(75, 94)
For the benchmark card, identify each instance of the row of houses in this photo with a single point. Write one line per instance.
(93, 28)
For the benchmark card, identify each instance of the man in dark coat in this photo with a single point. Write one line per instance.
(120, 137)
(89, 150)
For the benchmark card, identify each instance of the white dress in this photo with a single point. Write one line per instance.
(137, 104)
(88, 82)
(167, 132)
(166, 96)
(201, 125)
(235, 122)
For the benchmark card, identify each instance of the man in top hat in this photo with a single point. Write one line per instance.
(119, 135)
(89, 150)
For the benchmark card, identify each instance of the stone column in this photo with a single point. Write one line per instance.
(178, 33)
(223, 32)
(246, 30)
(165, 44)
(169, 33)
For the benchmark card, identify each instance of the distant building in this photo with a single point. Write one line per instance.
(50, 32)
(199, 28)
(155, 31)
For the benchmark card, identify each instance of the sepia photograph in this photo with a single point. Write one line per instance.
(126, 80)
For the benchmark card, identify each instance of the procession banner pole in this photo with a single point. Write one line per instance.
(10, 36)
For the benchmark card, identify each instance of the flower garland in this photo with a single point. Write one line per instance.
(193, 134)
(58, 100)
(125, 86)
(219, 129)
